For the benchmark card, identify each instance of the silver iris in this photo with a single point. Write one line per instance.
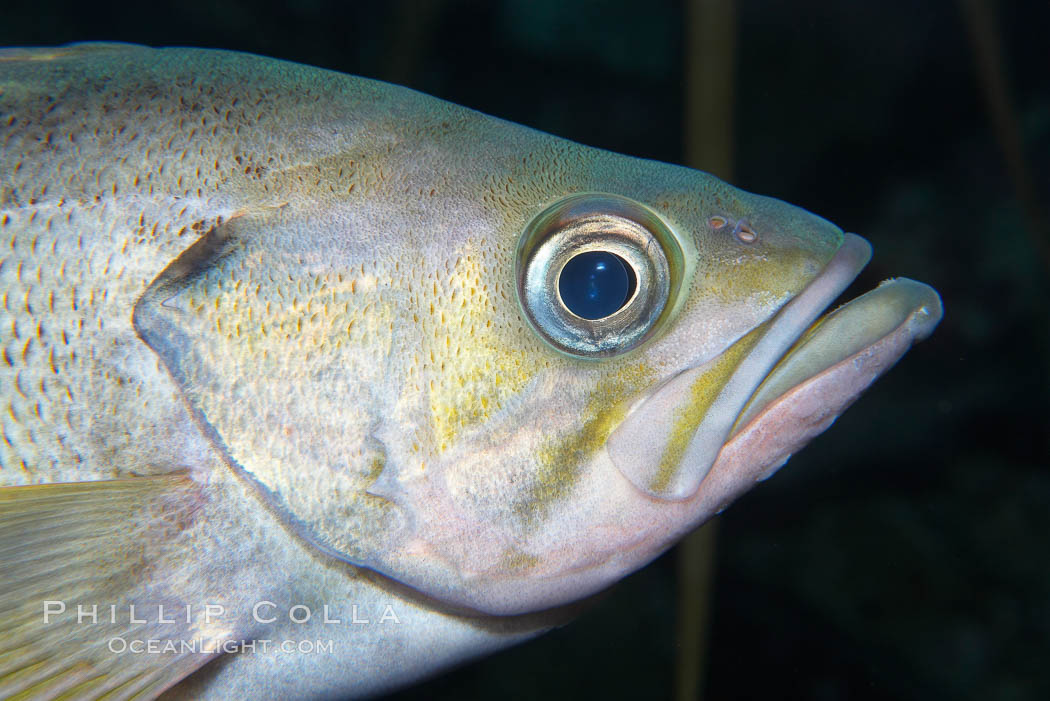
(596, 222)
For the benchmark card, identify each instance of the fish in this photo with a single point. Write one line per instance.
(314, 386)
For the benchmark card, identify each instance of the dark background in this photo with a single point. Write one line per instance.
(904, 554)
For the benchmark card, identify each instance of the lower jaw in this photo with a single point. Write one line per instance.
(902, 309)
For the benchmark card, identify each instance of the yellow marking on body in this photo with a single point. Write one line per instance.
(776, 275)
(515, 561)
(560, 462)
(376, 467)
(473, 369)
(703, 392)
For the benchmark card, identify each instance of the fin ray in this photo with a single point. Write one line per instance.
(98, 543)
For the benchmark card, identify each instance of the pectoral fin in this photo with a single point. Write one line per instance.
(103, 547)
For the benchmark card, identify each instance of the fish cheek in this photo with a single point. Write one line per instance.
(274, 381)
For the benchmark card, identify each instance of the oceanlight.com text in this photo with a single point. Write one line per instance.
(195, 646)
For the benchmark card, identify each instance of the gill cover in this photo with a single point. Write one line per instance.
(256, 326)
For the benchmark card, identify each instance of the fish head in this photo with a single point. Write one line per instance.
(505, 369)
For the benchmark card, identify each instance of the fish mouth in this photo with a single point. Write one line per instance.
(897, 307)
(670, 441)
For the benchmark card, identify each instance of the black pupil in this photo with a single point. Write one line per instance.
(595, 284)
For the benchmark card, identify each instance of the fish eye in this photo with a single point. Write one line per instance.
(596, 273)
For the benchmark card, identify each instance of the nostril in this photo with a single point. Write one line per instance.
(744, 232)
